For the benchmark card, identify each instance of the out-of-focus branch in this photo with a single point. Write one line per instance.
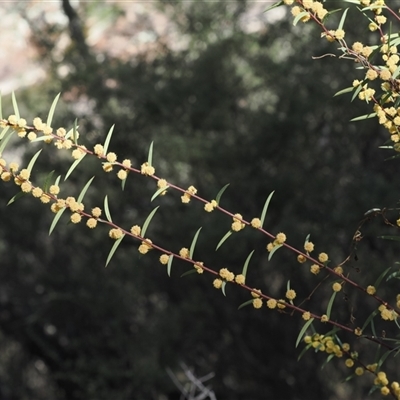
(193, 387)
(75, 28)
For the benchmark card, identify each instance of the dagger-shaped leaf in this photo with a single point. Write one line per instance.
(148, 220)
(114, 248)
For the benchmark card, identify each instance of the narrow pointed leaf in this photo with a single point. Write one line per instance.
(337, 338)
(55, 220)
(396, 340)
(57, 182)
(246, 303)
(373, 389)
(220, 193)
(272, 252)
(372, 7)
(40, 139)
(193, 245)
(299, 17)
(381, 276)
(393, 157)
(362, 117)
(123, 182)
(15, 105)
(277, 4)
(169, 265)
(386, 237)
(357, 91)
(330, 304)
(84, 190)
(106, 209)
(71, 131)
(394, 275)
(73, 166)
(343, 91)
(223, 288)
(303, 351)
(383, 358)
(303, 331)
(377, 354)
(246, 263)
(373, 212)
(52, 108)
(3, 132)
(5, 140)
(190, 272)
(1, 109)
(16, 197)
(385, 98)
(396, 73)
(108, 138)
(148, 220)
(350, 377)
(229, 233)
(328, 359)
(74, 132)
(33, 160)
(47, 181)
(265, 209)
(333, 332)
(333, 11)
(150, 157)
(341, 23)
(373, 328)
(114, 248)
(159, 191)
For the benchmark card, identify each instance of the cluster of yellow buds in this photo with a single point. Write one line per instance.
(18, 124)
(188, 194)
(211, 206)
(162, 183)
(315, 8)
(147, 169)
(387, 314)
(280, 238)
(237, 224)
(145, 246)
(327, 344)
(227, 276)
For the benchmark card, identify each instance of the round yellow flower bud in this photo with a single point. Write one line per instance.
(271, 303)
(217, 283)
(257, 303)
(337, 287)
(349, 363)
(323, 257)
(290, 294)
(91, 223)
(75, 218)
(135, 230)
(280, 238)
(359, 371)
(184, 252)
(306, 316)
(371, 290)
(164, 259)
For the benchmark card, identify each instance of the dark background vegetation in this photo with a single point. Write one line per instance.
(250, 109)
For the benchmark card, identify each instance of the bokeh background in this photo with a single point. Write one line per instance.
(228, 94)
